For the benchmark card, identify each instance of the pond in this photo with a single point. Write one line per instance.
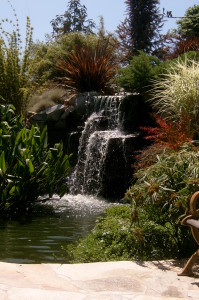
(39, 238)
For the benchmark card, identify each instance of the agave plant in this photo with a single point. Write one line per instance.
(89, 68)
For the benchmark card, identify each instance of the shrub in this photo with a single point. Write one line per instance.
(170, 134)
(116, 237)
(164, 189)
(46, 55)
(28, 168)
(178, 93)
(148, 156)
(138, 76)
(89, 68)
(109, 240)
(14, 82)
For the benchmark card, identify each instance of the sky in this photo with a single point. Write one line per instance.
(41, 12)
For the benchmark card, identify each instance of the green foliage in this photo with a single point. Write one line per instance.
(164, 189)
(28, 168)
(73, 20)
(89, 68)
(111, 239)
(117, 236)
(188, 26)
(189, 56)
(14, 82)
(177, 93)
(42, 69)
(145, 23)
(142, 70)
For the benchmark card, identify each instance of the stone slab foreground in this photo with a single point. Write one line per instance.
(97, 281)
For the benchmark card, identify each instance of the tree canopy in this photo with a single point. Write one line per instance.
(188, 26)
(143, 25)
(73, 20)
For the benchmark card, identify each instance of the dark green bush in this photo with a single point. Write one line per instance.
(28, 168)
(142, 70)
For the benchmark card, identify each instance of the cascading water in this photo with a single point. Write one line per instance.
(102, 144)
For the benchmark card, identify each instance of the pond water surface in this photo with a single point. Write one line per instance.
(39, 239)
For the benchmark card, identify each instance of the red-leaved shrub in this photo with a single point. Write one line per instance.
(171, 134)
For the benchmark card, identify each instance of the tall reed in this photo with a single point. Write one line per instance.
(14, 62)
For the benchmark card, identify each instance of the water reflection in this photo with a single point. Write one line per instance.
(39, 238)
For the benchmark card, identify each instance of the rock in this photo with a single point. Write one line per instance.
(121, 280)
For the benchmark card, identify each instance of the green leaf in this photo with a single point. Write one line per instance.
(43, 137)
(12, 190)
(18, 136)
(31, 167)
(2, 162)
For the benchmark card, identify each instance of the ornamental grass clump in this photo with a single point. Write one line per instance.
(178, 93)
(89, 68)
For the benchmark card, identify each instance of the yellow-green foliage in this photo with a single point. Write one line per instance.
(45, 55)
(14, 83)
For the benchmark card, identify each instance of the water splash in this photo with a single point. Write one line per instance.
(79, 204)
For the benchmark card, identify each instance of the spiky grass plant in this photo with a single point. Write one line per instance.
(89, 68)
(14, 82)
(178, 93)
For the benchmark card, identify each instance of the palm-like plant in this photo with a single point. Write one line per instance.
(89, 68)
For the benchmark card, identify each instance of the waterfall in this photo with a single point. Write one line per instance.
(102, 158)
